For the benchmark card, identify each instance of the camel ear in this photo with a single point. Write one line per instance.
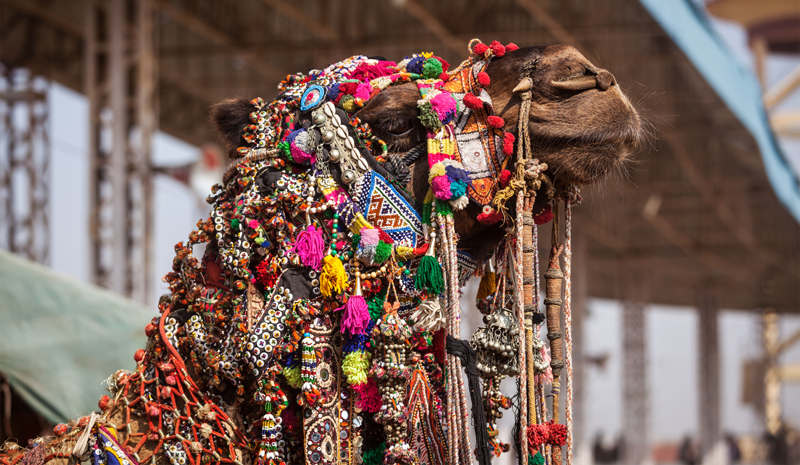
(230, 117)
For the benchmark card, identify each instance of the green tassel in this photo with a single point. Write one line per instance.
(375, 305)
(292, 375)
(429, 276)
(428, 117)
(535, 459)
(444, 208)
(426, 213)
(382, 252)
(374, 456)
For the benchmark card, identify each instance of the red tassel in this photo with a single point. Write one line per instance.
(472, 102)
(438, 346)
(558, 434)
(511, 47)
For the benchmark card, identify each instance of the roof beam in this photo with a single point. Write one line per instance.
(191, 87)
(785, 120)
(721, 209)
(434, 25)
(541, 16)
(299, 16)
(34, 10)
(687, 245)
(203, 29)
(787, 343)
(783, 88)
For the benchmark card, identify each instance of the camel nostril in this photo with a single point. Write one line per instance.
(605, 80)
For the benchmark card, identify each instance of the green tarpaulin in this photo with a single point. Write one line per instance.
(61, 338)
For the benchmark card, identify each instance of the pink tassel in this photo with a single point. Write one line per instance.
(369, 398)
(356, 312)
(356, 315)
(310, 247)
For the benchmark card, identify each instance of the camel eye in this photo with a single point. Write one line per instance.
(399, 128)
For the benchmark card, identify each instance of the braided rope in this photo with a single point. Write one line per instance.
(519, 298)
(568, 322)
(455, 310)
(412, 155)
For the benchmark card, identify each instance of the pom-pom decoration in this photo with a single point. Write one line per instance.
(472, 102)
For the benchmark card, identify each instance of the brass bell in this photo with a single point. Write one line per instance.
(348, 176)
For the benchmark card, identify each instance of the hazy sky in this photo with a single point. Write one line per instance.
(672, 332)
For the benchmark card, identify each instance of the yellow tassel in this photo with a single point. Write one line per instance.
(333, 279)
(404, 252)
(488, 285)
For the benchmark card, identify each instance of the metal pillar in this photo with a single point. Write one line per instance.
(634, 371)
(580, 271)
(772, 381)
(24, 164)
(708, 363)
(121, 87)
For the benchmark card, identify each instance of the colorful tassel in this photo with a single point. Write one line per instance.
(333, 279)
(310, 247)
(356, 313)
(355, 367)
(368, 245)
(374, 456)
(369, 398)
(488, 285)
(429, 316)
(382, 252)
(292, 375)
(429, 274)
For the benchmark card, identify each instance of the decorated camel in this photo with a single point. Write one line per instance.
(320, 322)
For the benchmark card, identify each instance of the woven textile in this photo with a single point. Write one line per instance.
(480, 147)
(386, 209)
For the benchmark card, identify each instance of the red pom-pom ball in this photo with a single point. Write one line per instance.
(472, 102)
(103, 403)
(545, 216)
(495, 122)
(480, 49)
(505, 177)
(558, 434)
(150, 330)
(483, 79)
(139, 355)
(508, 143)
(511, 47)
(444, 76)
(498, 49)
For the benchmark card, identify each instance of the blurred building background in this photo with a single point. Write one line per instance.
(687, 264)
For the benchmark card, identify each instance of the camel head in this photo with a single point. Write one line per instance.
(581, 124)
